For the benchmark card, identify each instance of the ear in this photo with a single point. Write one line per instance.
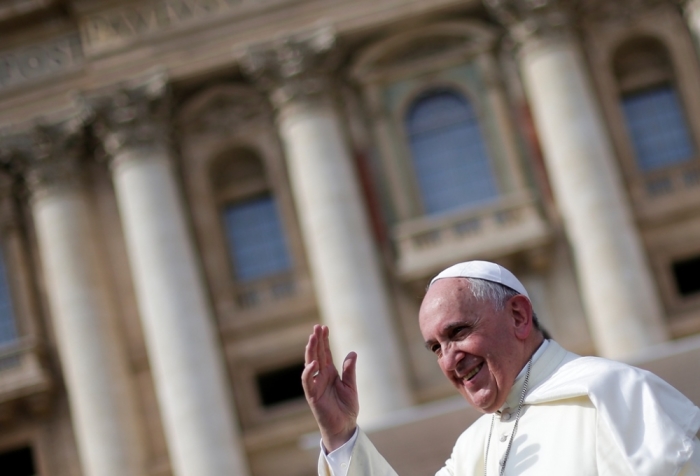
(520, 309)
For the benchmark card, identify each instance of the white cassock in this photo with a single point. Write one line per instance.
(582, 416)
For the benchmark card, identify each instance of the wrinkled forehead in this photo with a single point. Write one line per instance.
(447, 295)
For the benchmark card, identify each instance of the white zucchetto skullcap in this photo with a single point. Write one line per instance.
(483, 270)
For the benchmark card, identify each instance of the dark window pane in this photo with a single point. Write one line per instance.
(281, 385)
(8, 330)
(449, 155)
(256, 240)
(17, 463)
(687, 274)
(657, 127)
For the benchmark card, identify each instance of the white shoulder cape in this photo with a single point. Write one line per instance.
(652, 423)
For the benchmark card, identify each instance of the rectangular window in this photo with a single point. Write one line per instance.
(657, 127)
(687, 276)
(281, 385)
(19, 462)
(256, 239)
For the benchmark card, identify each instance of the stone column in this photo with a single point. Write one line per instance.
(348, 282)
(692, 15)
(621, 300)
(94, 364)
(184, 350)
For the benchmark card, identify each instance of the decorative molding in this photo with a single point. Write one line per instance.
(420, 49)
(40, 61)
(533, 19)
(222, 109)
(16, 9)
(298, 66)
(133, 114)
(115, 28)
(605, 11)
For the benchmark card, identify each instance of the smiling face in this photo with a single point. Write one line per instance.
(480, 350)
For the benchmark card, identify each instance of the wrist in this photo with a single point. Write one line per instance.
(333, 441)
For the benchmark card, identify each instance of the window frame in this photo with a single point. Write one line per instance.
(208, 130)
(399, 120)
(602, 42)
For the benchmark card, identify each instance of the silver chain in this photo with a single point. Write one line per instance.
(515, 427)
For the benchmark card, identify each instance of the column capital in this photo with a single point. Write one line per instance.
(292, 68)
(132, 115)
(533, 19)
(48, 150)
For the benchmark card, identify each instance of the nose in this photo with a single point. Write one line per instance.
(451, 356)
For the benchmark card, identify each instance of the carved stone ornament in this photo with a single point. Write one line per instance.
(528, 19)
(292, 67)
(222, 109)
(47, 151)
(132, 114)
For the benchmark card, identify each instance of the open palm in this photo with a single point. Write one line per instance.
(333, 399)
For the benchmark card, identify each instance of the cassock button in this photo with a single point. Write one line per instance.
(502, 461)
(505, 416)
(504, 438)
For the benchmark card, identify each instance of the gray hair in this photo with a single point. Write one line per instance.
(498, 295)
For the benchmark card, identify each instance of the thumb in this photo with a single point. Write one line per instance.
(349, 366)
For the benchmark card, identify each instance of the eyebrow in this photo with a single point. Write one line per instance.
(447, 330)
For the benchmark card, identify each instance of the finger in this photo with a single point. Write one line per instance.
(349, 370)
(322, 342)
(311, 350)
(326, 356)
(308, 376)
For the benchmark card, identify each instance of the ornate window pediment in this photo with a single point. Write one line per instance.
(220, 109)
(423, 48)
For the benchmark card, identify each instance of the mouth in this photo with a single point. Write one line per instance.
(473, 372)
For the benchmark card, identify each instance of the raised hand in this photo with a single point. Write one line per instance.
(333, 400)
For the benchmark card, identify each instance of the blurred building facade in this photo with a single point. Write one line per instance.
(187, 186)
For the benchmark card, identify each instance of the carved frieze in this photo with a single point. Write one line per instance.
(109, 29)
(133, 114)
(293, 67)
(40, 61)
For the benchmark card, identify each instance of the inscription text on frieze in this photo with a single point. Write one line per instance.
(115, 27)
(41, 60)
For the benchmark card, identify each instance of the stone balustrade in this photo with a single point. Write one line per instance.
(509, 225)
(24, 376)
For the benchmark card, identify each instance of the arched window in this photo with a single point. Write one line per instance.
(449, 155)
(254, 232)
(653, 113)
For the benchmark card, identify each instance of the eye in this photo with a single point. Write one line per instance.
(461, 331)
(436, 349)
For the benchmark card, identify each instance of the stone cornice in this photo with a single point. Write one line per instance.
(295, 67)
(133, 114)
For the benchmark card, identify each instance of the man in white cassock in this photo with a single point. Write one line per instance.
(546, 411)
